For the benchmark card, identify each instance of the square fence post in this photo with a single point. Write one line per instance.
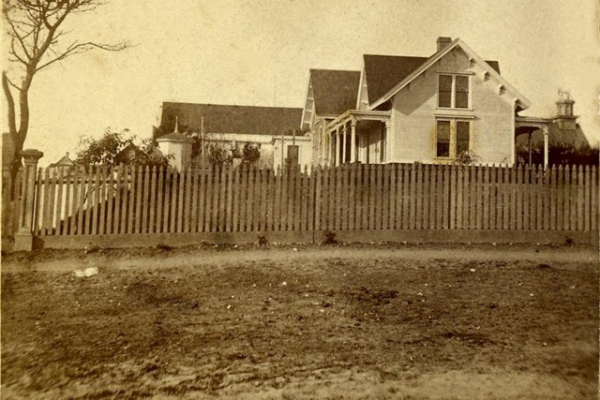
(24, 235)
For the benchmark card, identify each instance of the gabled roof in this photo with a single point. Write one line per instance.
(334, 91)
(65, 161)
(250, 120)
(383, 72)
(491, 67)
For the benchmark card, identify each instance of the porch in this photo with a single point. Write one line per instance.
(354, 136)
(528, 125)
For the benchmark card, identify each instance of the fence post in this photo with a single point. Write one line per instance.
(24, 235)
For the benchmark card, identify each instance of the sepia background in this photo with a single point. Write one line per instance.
(260, 52)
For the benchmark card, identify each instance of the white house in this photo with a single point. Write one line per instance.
(403, 109)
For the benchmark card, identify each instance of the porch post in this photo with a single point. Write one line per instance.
(546, 148)
(332, 145)
(529, 148)
(353, 141)
(323, 149)
(388, 141)
(337, 147)
(345, 142)
(24, 235)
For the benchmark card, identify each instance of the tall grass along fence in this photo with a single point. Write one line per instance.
(143, 201)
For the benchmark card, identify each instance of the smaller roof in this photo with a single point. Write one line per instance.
(216, 118)
(560, 138)
(334, 91)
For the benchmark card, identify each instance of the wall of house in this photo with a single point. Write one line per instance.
(370, 144)
(230, 139)
(415, 109)
(305, 150)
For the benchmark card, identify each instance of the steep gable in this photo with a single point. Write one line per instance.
(490, 68)
(383, 72)
(334, 91)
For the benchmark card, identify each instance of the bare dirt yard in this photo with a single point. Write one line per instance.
(333, 322)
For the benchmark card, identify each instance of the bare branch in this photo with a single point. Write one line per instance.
(12, 84)
(78, 48)
(18, 36)
(13, 51)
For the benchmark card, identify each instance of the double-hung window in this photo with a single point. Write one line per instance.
(452, 138)
(453, 91)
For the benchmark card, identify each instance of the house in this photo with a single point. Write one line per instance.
(64, 163)
(405, 109)
(273, 129)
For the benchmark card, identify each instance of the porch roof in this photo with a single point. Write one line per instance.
(358, 115)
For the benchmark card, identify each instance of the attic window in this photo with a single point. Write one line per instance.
(453, 91)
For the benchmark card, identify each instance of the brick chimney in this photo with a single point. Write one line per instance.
(443, 42)
(564, 112)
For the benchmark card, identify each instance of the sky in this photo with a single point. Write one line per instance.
(260, 52)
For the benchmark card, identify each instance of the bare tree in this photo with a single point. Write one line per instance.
(37, 40)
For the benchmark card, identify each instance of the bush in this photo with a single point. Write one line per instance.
(330, 238)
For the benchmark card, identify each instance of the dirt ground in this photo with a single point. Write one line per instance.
(333, 322)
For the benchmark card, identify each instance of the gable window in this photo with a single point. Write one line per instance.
(445, 95)
(453, 91)
(452, 138)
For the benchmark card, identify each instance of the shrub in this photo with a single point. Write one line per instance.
(330, 238)
(262, 240)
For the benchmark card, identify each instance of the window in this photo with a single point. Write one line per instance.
(452, 138)
(292, 154)
(453, 91)
(462, 137)
(445, 98)
(461, 98)
(443, 139)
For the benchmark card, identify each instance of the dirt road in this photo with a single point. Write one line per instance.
(421, 322)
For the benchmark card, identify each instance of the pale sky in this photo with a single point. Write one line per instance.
(259, 53)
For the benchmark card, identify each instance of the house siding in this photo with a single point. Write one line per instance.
(415, 110)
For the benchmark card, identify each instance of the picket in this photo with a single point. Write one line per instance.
(426, 197)
(594, 209)
(158, 215)
(101, 204)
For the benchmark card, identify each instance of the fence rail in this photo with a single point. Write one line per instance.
(129, 200)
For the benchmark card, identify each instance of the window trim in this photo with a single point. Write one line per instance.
(453, 91)
(435, 142)
(453, 137)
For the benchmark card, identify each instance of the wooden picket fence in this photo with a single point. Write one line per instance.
(130, 200)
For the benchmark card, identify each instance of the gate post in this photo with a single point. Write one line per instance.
(24, 235)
